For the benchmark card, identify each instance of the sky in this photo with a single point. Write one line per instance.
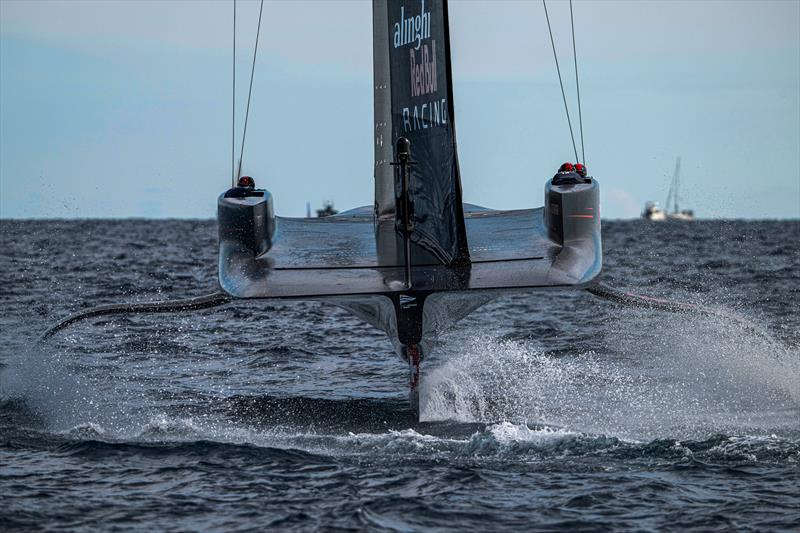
(123, 108)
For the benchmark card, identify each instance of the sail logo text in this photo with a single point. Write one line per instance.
(423, 74)
(412, 29)
(427, 115)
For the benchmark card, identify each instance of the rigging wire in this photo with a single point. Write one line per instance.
(233, 104)
(577, 83)
(560, 82)
(250, 91)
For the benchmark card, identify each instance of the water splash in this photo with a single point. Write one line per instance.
(67, 394)
(657, 377)
(60, 398)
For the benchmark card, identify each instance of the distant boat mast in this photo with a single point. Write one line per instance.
(652, 211)
(672, 197)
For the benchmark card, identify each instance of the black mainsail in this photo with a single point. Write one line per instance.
(414, 99)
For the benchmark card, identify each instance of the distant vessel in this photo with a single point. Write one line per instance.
(327, 210)
(653, 211)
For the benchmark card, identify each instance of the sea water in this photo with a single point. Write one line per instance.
(548, 410)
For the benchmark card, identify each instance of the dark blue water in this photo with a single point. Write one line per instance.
(551, 410)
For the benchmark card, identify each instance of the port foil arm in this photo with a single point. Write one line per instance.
(164, 306)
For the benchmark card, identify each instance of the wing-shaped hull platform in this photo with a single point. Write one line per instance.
(338, 255)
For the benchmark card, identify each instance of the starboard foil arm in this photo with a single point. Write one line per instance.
(607, 292)
(164, 306)
(618, 296)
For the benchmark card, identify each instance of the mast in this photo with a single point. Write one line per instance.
(672, 196)
(677, 180)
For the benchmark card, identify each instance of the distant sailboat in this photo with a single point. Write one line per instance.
(653, 211)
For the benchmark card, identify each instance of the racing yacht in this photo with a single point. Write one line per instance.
(418, 259)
